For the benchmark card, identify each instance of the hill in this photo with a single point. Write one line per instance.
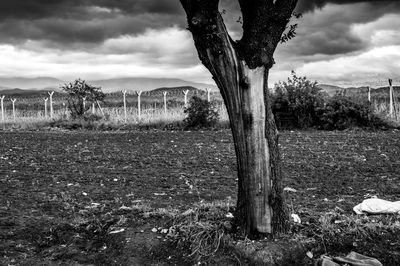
(174, 90)
(330, 89)
(145, 84)
(39, 83)
(107, 85)
(25, 93)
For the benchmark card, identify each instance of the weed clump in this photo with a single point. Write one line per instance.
(202, 229)
(342, 112)
(200, 114)
(79, 93)
(301, 97)
(304, 102)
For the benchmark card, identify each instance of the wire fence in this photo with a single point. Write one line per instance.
(132, 107)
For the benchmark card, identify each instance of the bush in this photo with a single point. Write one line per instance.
(79, 92)
(200, 114)
(341, 112)
(301, 97)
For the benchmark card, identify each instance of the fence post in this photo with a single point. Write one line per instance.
(124, 98)
(2, 108)
(65, 108)
(391, 97)
(139, 93)
(13, 106)
(51, 103)
(45, 107)
(84, 104)
(185, 92)
(208, 94)
(165, 101)
(93, 108)
(369, 93)
(101, 109)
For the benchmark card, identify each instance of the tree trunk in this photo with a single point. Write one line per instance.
(240, 70)
(260, 208)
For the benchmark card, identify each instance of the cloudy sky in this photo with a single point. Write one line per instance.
(340, 42)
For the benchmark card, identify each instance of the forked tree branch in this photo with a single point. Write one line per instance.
(264, 22)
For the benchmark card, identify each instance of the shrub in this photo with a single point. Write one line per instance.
(78, 92)
(341, 112)
(301, 97)
(200, 114)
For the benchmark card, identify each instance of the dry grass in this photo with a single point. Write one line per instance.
(113, 117)
(383, 109)
(202, 228)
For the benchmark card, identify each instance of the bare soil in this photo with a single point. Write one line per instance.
(63, 194)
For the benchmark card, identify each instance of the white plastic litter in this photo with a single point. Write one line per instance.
(289, 189)
(375, 206)
(296, 218)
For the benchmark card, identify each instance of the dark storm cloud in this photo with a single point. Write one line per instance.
(329, 32)
(87, 21)
(36, 9)
(310, 5)
(337, 39)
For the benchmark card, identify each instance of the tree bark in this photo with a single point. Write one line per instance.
(240, 70)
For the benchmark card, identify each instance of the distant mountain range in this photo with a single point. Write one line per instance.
(331, 90)
(26, 93)
(145, 84)
(28, 87)
(107, 85)
(40, 83)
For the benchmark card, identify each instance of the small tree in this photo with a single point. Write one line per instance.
(303, 98)
(200, 113)
(79, 92)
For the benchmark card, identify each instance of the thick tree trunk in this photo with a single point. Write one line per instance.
(240, 69)
(260, 206)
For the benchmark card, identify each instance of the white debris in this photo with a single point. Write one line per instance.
(229, 215)
(296, 218)
(117, 231)
(289, 189)
(376, 206)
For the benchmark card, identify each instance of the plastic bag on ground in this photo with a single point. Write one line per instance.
(376, 206)
(353, 259)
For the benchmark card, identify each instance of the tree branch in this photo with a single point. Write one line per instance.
(264, 22)
(214, 45)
